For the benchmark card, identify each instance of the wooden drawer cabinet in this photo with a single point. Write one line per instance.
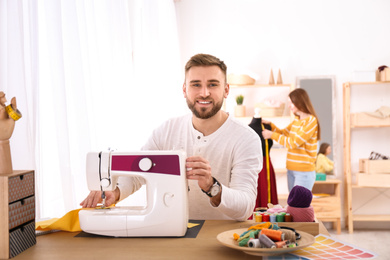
(17, 213)
(328, 208)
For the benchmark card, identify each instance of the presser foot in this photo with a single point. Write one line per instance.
(104, 207)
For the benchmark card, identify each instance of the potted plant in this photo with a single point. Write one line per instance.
(239, 110)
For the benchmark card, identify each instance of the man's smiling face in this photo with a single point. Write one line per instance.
(204, 89)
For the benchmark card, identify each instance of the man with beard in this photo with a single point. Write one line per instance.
(224, 156)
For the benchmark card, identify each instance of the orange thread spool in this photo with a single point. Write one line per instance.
(275, 235)
(282, 244)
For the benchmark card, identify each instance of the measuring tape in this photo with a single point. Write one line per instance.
(268, 170)
(15, 115)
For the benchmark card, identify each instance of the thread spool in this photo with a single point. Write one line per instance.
(254, 243)
(258, 217)
(287, 217)
(292, 245)
(266, 241)
(265, 217)
(272, 218)
(275, 235)
(280, 217)
(282, 244)
(288, 234)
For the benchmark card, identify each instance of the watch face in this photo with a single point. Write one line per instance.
(215, 190)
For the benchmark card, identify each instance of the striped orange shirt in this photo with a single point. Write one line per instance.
(300, 138)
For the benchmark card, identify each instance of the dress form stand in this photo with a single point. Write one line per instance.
(266, 186)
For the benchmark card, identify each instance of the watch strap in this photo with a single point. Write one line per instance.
(208, 193)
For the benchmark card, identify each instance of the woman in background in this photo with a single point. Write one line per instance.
(323, 163)
(300, 137)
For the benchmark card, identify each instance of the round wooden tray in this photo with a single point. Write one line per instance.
(226, 238)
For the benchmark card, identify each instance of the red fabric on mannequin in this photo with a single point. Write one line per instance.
(262, 186)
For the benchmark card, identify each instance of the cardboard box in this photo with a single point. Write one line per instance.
(374, 166)
(373, 180)
(240, 79)
(270, 111)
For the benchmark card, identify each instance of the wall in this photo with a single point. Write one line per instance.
(345, 39)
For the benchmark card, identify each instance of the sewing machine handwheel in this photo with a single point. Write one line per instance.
(145, 164)
(105, 183)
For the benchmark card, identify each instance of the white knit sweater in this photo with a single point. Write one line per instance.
(235, 156)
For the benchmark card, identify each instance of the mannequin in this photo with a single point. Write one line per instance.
(266, 187)
(8, 115)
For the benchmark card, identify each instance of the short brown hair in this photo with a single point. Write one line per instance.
(205, 60)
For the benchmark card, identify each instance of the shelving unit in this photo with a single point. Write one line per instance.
(353, 121)
(250, 97)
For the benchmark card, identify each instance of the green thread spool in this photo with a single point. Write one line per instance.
(280, 218)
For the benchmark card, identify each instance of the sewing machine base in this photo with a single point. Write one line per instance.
(130, 222)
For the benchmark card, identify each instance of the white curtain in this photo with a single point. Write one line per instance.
(87, 75)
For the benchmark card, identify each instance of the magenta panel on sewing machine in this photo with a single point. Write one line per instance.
(162, 164)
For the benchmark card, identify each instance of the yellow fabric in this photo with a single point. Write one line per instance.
(261, 226)
(70, 222)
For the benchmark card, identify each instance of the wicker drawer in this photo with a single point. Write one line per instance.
(21, 239)
(20, 187)
(21, 212)
(17, 213)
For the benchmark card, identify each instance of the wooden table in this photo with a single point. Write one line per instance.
(64, 245)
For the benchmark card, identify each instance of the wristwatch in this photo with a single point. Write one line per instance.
(215, 189)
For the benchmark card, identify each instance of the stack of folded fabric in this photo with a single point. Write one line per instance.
(299, 207)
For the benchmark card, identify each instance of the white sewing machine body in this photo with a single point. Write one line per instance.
(166, 212)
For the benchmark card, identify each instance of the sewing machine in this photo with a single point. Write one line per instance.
(166, 212)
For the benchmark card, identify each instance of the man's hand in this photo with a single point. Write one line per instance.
(95, 197)
(199, 169)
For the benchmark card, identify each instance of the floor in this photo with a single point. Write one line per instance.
(375, 241)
